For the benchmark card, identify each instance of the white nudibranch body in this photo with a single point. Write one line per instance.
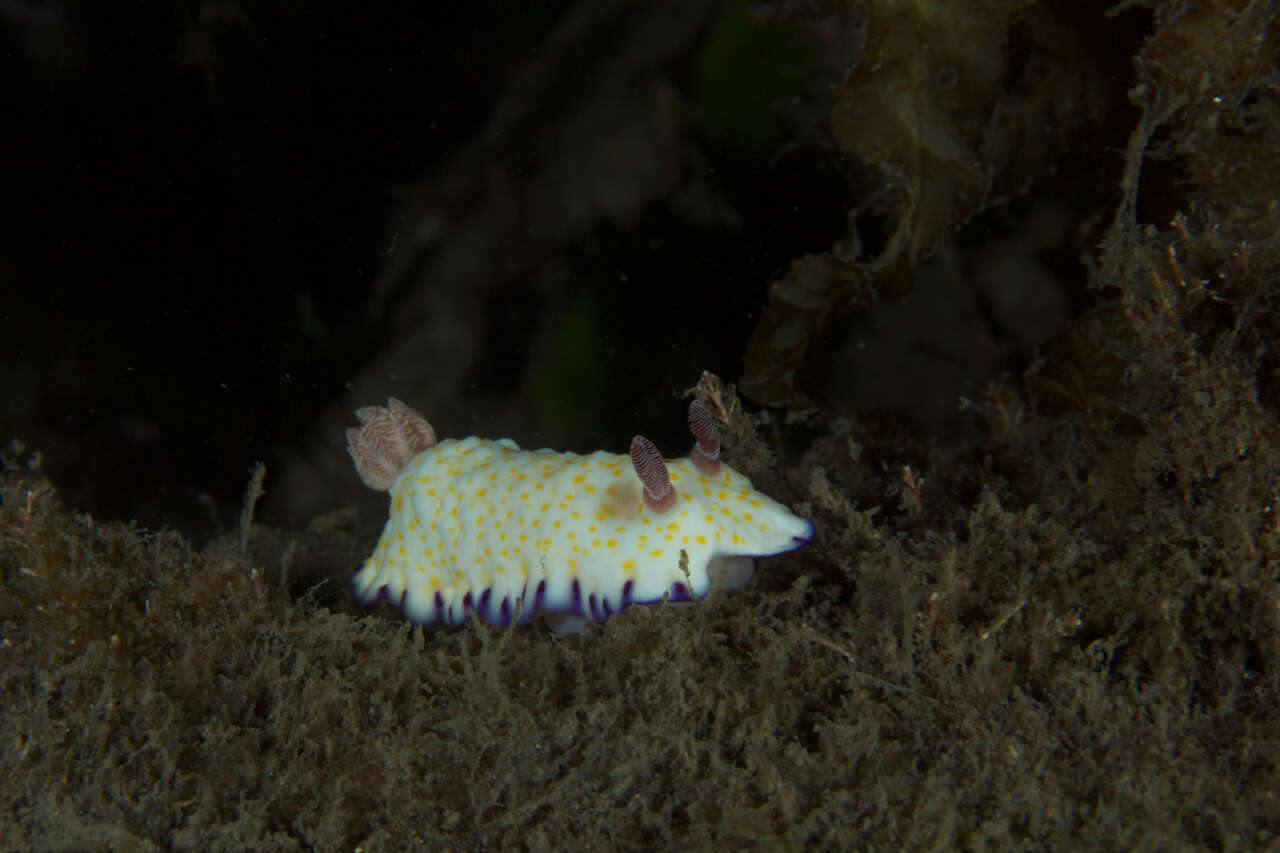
(483, 526)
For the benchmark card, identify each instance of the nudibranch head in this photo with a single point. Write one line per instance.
(483, 526)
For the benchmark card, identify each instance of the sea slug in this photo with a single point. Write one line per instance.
(483, 526)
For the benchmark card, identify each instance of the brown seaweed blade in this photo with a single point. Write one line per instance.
(785, 347)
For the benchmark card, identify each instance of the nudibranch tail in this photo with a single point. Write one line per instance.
(659, 494)
(706, 448)
(387, 441)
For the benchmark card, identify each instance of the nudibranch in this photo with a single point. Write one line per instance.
(483, 526)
